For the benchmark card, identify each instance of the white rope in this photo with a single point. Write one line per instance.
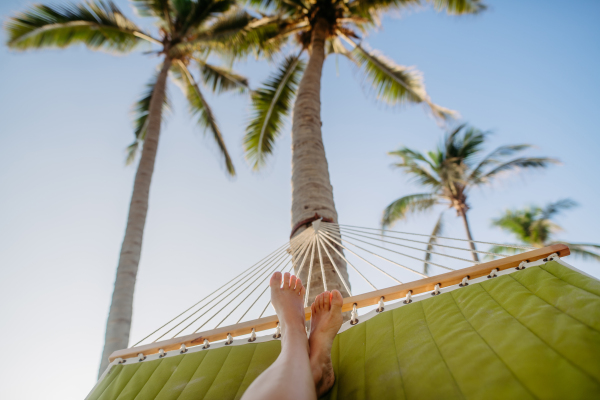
(388, 260)
(464, 282)
(408, 297)
(417, 241)
(277, 254)
(354, 315)
(328, 242)
(299, 249)
(282, 253)
(277, 334)
(229, 339)
(312, 257)
(436, 289)
(299, 271)
(247, 271)
(334, 266)
(353, 236)
(258, 298)
(369, 263)
(206, 344)
(252, 335)
(493, 274)
(260, 272)
(449, 238)
(321, 263)
(182, 349)
(381, 305)
(249, 294)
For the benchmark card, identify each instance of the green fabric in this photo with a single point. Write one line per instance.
(532, 334)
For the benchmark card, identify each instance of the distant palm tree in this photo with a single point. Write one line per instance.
(450, 172)
(187, 32)
(318, 29)
(533, 226)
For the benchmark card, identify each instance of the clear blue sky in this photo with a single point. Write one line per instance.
(526, 70)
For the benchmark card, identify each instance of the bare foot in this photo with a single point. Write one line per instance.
(325, 322)
(288, 301)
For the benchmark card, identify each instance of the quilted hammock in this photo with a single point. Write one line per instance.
(530, 334)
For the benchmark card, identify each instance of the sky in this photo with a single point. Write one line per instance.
(526, 72)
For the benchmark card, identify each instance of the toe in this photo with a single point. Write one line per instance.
(293, 282)
(302, 292)
(321, 301)
(326, 300)
(286, 280)
(336, 300)
(275, 281)
(299, 286)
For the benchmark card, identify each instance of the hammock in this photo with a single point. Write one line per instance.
(522, 326)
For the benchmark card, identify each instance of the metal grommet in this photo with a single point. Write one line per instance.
(521, 265)
(123, 361)
(408, 297)
(161, 353)
(465, 281)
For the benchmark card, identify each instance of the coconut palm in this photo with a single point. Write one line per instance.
(187, 30)
(319, 28)
(533, 226)
(450, 172)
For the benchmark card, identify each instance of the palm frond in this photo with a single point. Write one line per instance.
(459, 7)
(553, 209)
(396, 84)
(200, 108)
(191, 14)
(413, 203)
(502, 250)
(153, 8)
(518, 164)
(271, 104)
(141, 111)
(437, 231)
(495, 158)
(221, 79)
(421, 174)
(96, 24)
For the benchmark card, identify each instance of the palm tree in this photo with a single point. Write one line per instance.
(533, 226)
(187, 30)
(319, 28)
(450, 172)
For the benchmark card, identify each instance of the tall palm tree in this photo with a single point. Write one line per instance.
(187, 30)
(533, 226)
(450, 172)
(319, 28)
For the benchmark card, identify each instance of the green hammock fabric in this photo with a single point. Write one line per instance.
(532, 334)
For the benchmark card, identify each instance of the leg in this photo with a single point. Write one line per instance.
(290, 376)
(325, 322)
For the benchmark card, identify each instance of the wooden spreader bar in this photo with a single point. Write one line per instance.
(361, 300)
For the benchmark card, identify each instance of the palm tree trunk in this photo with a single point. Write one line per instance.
(311, 188)
(463, 214)
(119, 316)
